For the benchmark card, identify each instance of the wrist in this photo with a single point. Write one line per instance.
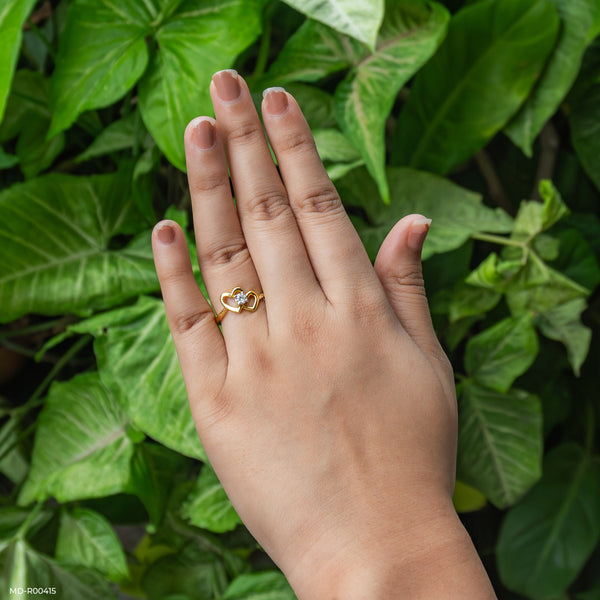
(432, 557)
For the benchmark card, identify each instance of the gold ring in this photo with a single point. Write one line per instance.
(242, 302)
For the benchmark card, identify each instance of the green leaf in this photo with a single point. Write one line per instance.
(208, 506)
(28, 116)
(101, 55)
(360, 20)
(332, 145)
(409, 36)
(456, 212)
(269, 585)
(493, 273)
(481, 74)
(192, 574)
(497, 356)
(22, 567)
(534, 217)
(469, 300)
(585, 131)
(55, 253)
(546, 539)
(467, 498)
(500, 442)
(136, 358)
(311, 53)
(580, 24)
(563, 323)
(200, 37)
(81, 447)
(13, 517)
(7, 161)
(12, 15)
(86, 538)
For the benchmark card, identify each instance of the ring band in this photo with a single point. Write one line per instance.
(241, 300)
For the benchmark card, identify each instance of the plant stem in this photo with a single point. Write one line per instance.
(495, 188)
(497, 239)
(31, 329)
(27, 522)
(64, 359)
(265, 44)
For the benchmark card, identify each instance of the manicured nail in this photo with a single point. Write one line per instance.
(227, 83)
(417, 233)
(165, 233)
(204, 134)
(276, 101)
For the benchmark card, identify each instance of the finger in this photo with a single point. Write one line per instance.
(267, 220)
(198, 340)
(223, 255)
(398, 266)
(335, 250)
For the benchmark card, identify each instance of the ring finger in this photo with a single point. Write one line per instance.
(223, 255)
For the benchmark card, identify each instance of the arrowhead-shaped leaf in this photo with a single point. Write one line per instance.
(477, 80)
(81, 445)
(86, 538)
(269, 585)
(499, 442)
(55, 254)
(410, 35)
(497, 356)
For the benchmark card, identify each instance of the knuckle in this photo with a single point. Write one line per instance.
(296, 142)
(409, 281)
(210, 182)
(266, 206)
(186, 322)
(245, 133)
(322, 201)
(233, 253)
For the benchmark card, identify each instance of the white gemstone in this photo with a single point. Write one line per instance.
(241, 298)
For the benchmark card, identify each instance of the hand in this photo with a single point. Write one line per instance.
(329, 413)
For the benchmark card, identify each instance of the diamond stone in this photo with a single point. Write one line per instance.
(241, 298)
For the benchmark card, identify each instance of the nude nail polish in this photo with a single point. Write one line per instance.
(204, 134)
(276, 100)
(227, 84)
(417, 232)
(165, 233)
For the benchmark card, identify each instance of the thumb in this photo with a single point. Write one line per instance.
(398, 266)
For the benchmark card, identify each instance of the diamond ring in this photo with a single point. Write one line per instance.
(237, 300)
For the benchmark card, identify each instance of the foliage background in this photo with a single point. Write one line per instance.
(465, 111)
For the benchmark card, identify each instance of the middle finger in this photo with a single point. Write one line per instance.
(269, 225)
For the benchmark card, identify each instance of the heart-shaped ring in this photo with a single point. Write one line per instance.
(241, 301)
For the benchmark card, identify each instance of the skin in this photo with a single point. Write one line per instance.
(329, 414)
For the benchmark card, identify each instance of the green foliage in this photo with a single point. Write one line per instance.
(463, 111)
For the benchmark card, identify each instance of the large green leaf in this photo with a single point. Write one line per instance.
(12, 15)
(86, 538)
(81, 449)
(55, 253)
(500, 442)
(137, 358)
(360, 20)
(546, 539)
(199, 38)
(456, 212)
(269, 585)
(585, 131)
(207, 506)
(22, 567)
(497, 356)
(580, 24)
(481, 74)
(102, 53)
(411, 33)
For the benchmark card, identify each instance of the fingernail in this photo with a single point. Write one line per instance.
(204, 134)
(227, 84)
(417, 233)
(165, 233)
(276, 101)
